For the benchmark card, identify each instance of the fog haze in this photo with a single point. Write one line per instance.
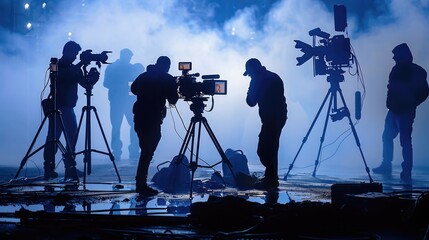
(191, 31)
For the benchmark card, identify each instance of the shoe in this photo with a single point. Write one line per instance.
(146, 190)
(266, 184)
(50, 174)
(406, 178)
(384, 168)
(70, 174)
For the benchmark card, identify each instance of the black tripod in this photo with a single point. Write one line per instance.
(88, 148)
(52, 113)
(338, 113)
(197, 108)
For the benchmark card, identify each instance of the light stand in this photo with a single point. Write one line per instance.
(197, 108)
(88, 144)
(334, 79)
(53, 113)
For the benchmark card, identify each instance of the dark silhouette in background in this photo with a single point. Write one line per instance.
(152, 88)
(117, 77)
(407, 88)
(68, 78)
(266, 89)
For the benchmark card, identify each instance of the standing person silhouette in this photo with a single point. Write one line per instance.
(407, 88)
(117, 77)
(68, 78)
(152, 88)
(267, 91)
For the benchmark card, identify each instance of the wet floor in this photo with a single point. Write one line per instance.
(102, 194)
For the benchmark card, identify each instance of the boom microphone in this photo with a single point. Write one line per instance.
(358, 105)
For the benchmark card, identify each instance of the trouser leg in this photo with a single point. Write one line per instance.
(116, 117)
(70, 127)
(405, 129)
(133, 148)
(51, 146)
(268, 147)
(390, 132)
(149, 137)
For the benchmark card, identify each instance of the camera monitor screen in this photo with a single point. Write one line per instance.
(220, 87)
(185, 66)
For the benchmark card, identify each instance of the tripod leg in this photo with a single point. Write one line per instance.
(185, 143)
(219, 148)
(112, 158)
(69, 148)
(194, 164)
(355, 136)
(78, 127)
(75, 143)
(88, 145)
(29, 154)
(306, 135)
(216, 143)
(322, 139)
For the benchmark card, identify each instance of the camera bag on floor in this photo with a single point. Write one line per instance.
(176, 178)
(240, 175)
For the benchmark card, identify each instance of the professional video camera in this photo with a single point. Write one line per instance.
(190, 89)
(333, 53)
(86, 57)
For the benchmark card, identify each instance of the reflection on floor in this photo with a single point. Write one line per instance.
(304, 207)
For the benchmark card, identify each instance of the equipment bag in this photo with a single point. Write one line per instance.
(240, 175)
(176, 178)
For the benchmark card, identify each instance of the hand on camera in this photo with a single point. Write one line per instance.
(93, 76)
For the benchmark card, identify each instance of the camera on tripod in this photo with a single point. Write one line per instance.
(86, 57)
(333, 53)
(189, 88)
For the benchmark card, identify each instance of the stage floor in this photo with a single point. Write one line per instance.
(101, 194)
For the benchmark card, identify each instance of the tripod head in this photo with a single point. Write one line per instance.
(334, 78)
(197, 105)
(91, 78)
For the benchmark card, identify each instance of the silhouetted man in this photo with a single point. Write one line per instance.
(407, 88)
(117, 77)
(152, 88)
(266, 89)
(68, 78)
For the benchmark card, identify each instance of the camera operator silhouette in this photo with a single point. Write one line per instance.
(152, 88)
(266, 89)
(68, 78)
(407, 88)
(117, 77)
